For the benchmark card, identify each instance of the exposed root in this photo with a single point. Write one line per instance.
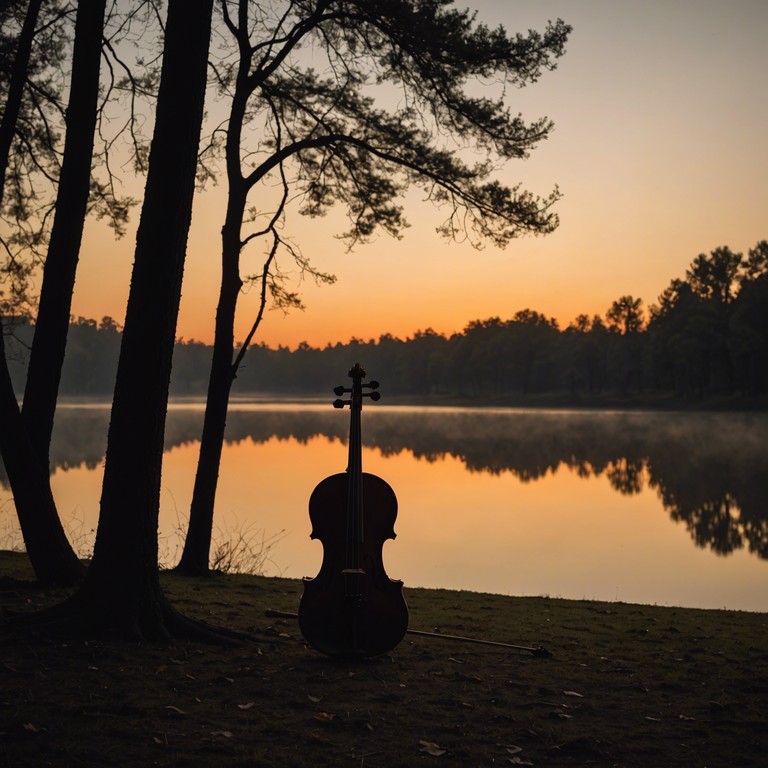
(79, 619)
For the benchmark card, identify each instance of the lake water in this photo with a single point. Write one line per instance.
(665, 508)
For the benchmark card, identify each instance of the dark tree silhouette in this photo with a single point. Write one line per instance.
(16, 82)
(715, 276)
(44, 537)
(327, 140)
(31, 130)
(581, 359)
(755, 266)
(121, 594)
(625, 318)
(25, 460)
(626, 314)
(13, 75)
(52, 322)
(748, 323)
(73, 191)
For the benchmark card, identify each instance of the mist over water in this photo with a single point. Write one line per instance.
(700, 475)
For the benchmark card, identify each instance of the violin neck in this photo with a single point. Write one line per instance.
(355, 460)
(355, 484)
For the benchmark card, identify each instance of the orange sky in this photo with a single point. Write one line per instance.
(659, 148)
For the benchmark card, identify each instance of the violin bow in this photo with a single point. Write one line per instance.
(537, 651)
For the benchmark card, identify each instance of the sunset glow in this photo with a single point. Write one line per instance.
(658, 148)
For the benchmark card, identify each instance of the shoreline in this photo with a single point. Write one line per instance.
(543, 402)
(625, 685)
(14, 565)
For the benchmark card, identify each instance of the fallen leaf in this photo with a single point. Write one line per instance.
(431, 748)
(324, 717)
(175, 710)
(224, 734)
(314, 699)
(573, 693)
(685, 717)
(246, 706)
(31, 728)
(513, 749)
(518, 761)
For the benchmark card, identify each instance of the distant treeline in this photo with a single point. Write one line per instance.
(706, 337)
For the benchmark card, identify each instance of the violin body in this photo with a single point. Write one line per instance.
(352, 608)
(353, 614)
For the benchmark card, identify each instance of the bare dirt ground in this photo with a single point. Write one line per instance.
(626, 685)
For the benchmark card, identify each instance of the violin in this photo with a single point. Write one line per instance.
(352, 608)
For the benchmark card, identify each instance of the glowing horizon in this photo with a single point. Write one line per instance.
(658, 149)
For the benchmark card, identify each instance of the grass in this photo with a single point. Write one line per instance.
(626, 685)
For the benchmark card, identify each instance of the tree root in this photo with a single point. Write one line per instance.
(78, 618)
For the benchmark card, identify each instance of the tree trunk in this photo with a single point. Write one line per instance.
(121, 595)
(52, 325)
(49, 551)
(195, 557)
(197, 545)
(47, 547)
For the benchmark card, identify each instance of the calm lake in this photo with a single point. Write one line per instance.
(641, 507)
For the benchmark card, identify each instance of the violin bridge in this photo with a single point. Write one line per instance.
(360, 571)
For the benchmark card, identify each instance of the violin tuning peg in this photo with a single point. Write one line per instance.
(373, 384)
(339, 390)
(339, 403)
(375, 396)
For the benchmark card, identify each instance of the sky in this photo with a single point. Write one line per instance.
(659, 149)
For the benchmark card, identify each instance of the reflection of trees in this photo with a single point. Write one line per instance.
(626, 476)
(715, 484)
(715, 523)
(708, 469)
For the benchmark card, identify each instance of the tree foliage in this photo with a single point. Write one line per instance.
(38, 134)
(355, 101)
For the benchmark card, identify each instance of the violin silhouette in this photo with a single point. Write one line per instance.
(352, 608)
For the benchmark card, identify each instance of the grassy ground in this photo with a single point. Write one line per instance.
(626, 685)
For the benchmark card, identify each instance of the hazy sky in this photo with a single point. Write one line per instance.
(661, 114)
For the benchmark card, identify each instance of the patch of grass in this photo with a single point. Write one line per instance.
(627, 685)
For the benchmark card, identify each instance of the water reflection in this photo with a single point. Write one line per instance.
(709, 470)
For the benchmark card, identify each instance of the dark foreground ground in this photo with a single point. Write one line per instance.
(626, 685)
